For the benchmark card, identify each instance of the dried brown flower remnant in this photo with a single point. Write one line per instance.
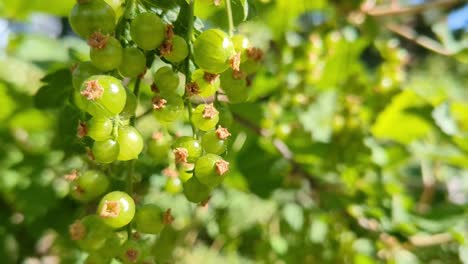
(254, 53)
(210, 77)
(169, 32)
(166, 48)
(159, 103)
(73, 175)
(111, 209)
(93, 90)
(222, 133)
(192, 89)
(98, 40)
(222, 167)
(235, 61)
(154, 88)
(209, 111)
(132, 255)
(77, 230)
(181, 155)
(238, 75)
(168, 172)
(156, 136)
(168, 218)
(82, 129)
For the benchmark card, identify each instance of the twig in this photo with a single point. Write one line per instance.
(396, 10)
(423, 41)
(430, 240)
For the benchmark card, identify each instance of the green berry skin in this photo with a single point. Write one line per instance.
(112, 100)
(133, 62)
(203, 123)
(166, 80)
(241, 43)
(149, 219)
(173, 110)
(235, 89)
(80, 101)
(105, 151)
(225, 117)
(195, 191)
(159, 150)
(90, 17)
(89, 185)
(120, 217)
(205, 170)
(206, 89)
(192, 146)
(95, 233)
(212, 144)
(184, 176)
(83, 71)
(130, 142)
(131, 252)
(148, 31)
(100, 128)
(250, 66)
(173, 185)
(96, 258)
(108, 57)
(131, 105)
(212, 51)
(179, 50)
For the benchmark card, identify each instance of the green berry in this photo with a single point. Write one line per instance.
(207, 83)
(131, 252)
(234, 86)
(168, 107)
(159, 147)
(148, 31)
(215, 141)
(133, 62)
(213, 50)
(92, 16)
(116, 209)
(83, 71)
(130, 142)
(187, 149)
(211, 169)
(149, 219)
(178, 50)
(241, 43)
(105, 151)
(131, 105)
(205, 117)
(173, 185)
(100, 128)
(195, 191)
(104, 95)
(89, 185)
(166, 80)
(90, 233)
(106, 54)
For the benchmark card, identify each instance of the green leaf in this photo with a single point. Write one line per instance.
(56, 90)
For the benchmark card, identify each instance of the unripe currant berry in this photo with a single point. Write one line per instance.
(175, 50)
(215, 141)
(130, 142)
(213, 50)
(241, 44)
(159, 147)
(116, 209)
(211, 169)
(99, 128)
(131, 252)
(187, 149)
(106, 52)
(105, 151)
(92, 16)
(104, 95)
(83, 71)
(207, 83)
(168, 107)
(89, 185)
(205, 117)
(173, 183)
(148, 31)
(234, 85)
(166, 80)
(149, 219)
(131, 105)
(133, 62)
(90, 233)
(195, 191)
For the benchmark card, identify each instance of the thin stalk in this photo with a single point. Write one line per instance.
(229, 15)
(187, 72)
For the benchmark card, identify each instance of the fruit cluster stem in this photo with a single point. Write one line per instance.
(187, 72)
(230, 18)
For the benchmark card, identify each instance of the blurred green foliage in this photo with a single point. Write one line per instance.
(353, 147)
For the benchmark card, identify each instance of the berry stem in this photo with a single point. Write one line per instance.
(129, 188)
(136, 92)
(187, 72)
(229, 15)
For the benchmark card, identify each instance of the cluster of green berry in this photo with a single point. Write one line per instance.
(224, 67)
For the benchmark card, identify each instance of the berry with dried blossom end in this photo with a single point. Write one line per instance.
(173, 185)
(116, 209)
(195, 191)
(107, 53)
(73, 175)
(215, 142)
(255, 54)
(192, 89)
(235, 61)
(159, 147)
(181, 155)
(207, 83)
(90, 233)
(149, 219)
(205, 117)
(97, 40)
(176, 49)
(89, 185)
(170, 172)
(253, 62)
(133, 62)
(166, 80)
(158, 103)
(241, 44)
(169, 32)
(148, 31)
(92, 16)
(191, 146)
(168, 218)
(234, 88)
(211, 169)
(104, 95)
(173, 108)
(131, 252)
(212, 51)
